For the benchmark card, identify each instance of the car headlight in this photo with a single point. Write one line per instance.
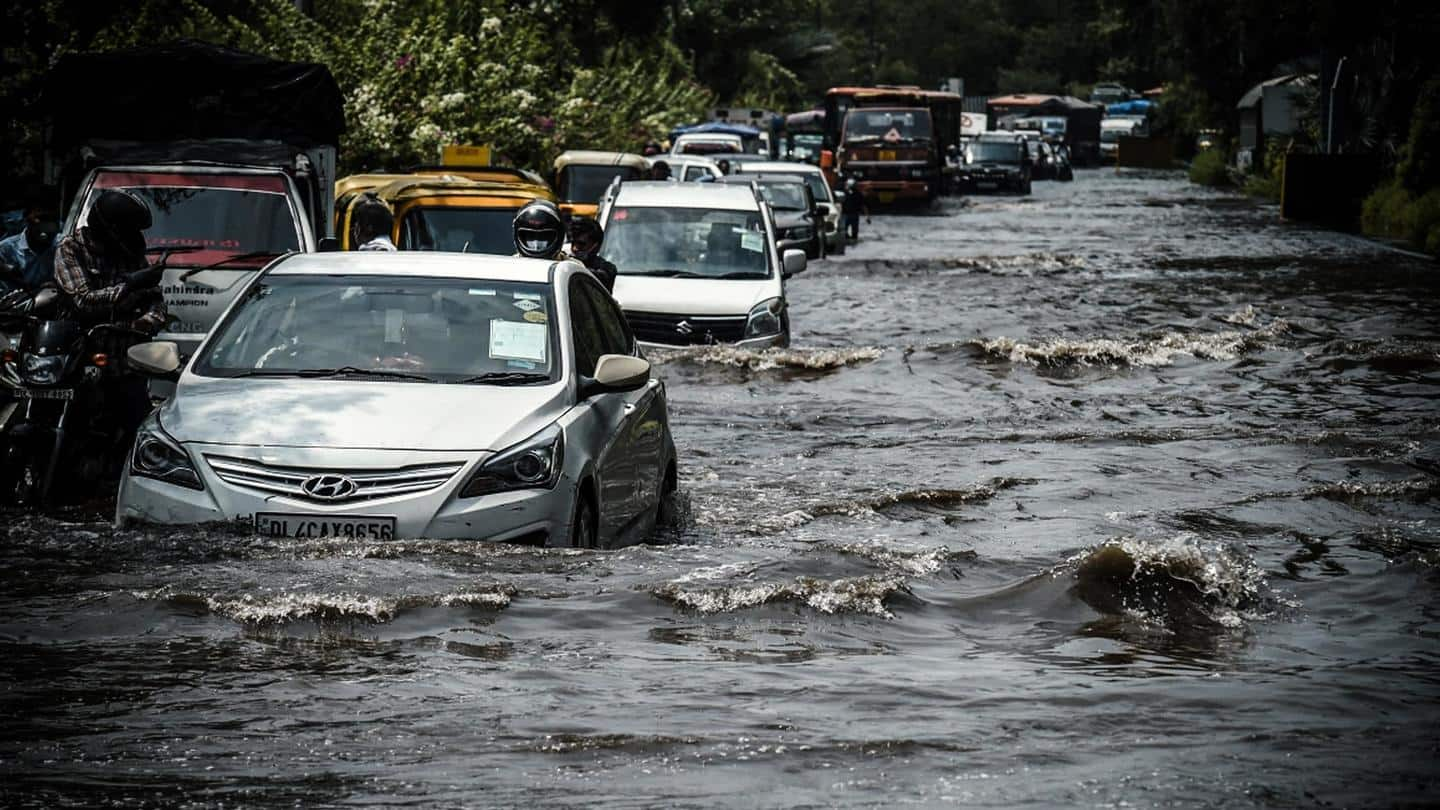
(765, 318)
(158, 456)
(532, 464)
(38, 370)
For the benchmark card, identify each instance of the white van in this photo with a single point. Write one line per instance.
(697, 264)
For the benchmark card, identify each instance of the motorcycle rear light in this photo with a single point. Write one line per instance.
(9, 355)
(100, 359)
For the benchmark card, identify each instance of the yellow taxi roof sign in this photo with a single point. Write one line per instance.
(464, 155)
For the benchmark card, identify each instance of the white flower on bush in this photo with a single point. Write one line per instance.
(522, 99)
(450, 101)
(574, 104)
(427, 133)
(490, 26)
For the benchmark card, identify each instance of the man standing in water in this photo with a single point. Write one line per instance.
(852, 207)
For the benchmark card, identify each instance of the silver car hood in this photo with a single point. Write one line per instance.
(359, 414)
(694, 296)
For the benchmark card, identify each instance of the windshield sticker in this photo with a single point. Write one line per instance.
(527, 305)
(530, 296)
(620, 213)
(513, 340)
(525, 364)
(752, 242)
(536, 317)
(481, 292)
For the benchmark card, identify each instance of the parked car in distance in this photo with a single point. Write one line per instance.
(825, 199)
(798, 224)
(420, 395)
(707, 143)
(698, 264)
(999, 162)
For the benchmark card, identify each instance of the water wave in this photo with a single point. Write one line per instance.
(863, 595)
(804, 359)
(910, 562)
(1179, 582)
(901, 504)
(301, 606)
(1147, 352)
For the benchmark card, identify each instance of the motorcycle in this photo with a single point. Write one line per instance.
(61, 414)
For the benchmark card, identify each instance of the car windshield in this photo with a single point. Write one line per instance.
(815, 181)
(687, 242)
(994, 152)
(225, 222)
(387, 327)
(784, 195)
(869, 124)
(461, 230)
(586, 184)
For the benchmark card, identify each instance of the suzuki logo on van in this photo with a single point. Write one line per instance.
(684, 328)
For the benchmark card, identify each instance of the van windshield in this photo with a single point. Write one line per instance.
(586, 184)
(687, 243)
(372, 327)
(993, 152)
(227, 216)
(461, 230)
(784, 195)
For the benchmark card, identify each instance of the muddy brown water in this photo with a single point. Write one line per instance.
(1123, 495)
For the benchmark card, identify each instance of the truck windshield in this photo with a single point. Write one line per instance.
(983, 152)
(227, 216)
(876, 124)
(687, 243)
(461, 230)
(586, 184)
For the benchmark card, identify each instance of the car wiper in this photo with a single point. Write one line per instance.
(668, 274)
(506, 378)
(741, 274)
(238, 257)
(355, 371)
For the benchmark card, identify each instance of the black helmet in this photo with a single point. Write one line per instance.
(119, 217)
(539, 230)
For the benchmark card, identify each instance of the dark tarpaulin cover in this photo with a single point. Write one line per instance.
(191, 90)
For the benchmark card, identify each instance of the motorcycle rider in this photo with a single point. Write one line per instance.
(586, 236)
(26, 253)
(101, 268)
(539, 231)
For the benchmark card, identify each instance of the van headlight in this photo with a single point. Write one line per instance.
(765, 318)
(532, 464)
(158, 456)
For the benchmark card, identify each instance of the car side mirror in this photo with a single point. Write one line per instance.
(328, 244)
(823, 209)
(794, 262)
(616, 372)
(158, 358)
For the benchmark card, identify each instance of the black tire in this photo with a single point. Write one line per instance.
(585, 526)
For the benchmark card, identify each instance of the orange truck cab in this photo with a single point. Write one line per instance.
(891, 153)
(441, 211)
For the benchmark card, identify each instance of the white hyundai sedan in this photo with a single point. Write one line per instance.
(388, 395)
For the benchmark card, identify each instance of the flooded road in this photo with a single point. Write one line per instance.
(1121, 495)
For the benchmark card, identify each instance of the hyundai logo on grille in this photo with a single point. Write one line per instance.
(684, 328)
(328, 487)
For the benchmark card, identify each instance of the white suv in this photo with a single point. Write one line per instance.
(698, 264)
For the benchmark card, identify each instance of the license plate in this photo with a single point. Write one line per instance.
(887, 154)
(44, 393)
(358, 527)
(987, 185)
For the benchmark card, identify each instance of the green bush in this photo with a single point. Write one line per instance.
(1395, 212)
(1210, 169)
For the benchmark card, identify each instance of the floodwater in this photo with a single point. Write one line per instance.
(1123, 495)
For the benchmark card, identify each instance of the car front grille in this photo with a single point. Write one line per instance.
(685, 330)
(368, 484)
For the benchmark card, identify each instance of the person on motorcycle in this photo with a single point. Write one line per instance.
(101, 268)
(26, 253)
(586, 236)
(539, 231)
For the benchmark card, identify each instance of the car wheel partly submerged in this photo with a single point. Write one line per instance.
(585, 528)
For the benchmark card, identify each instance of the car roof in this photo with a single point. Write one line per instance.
(777, 167)
(418, 263)
(665, 194)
